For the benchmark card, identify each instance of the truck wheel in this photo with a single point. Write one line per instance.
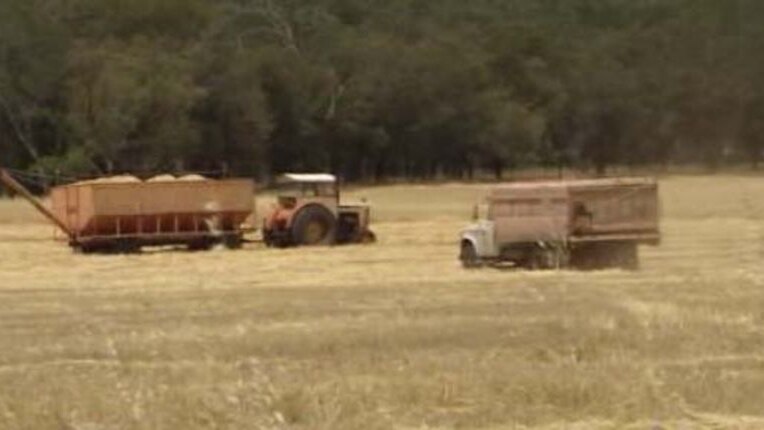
(628, 256)
(541, 259)
(469, 256)
(314, 225)
(586, 257)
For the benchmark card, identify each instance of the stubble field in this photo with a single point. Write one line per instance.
(393, 335)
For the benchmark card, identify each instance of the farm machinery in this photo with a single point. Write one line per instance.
(308, 211)
(585, 224)
(124, 213)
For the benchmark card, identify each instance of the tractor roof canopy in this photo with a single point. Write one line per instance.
(307, 185)
(306, 178)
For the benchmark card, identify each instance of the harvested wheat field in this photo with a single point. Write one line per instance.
(393, 335)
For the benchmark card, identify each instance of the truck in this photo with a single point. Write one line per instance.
(584, 224)
(309, 211)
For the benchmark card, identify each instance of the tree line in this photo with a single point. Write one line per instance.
(373, 89)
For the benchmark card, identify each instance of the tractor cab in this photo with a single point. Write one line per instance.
(308, 212)
(294, 189)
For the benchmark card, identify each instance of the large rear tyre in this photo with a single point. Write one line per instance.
(314, 225)
(469, 256)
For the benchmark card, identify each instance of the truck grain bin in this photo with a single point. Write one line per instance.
(123, 214)
(585, 224)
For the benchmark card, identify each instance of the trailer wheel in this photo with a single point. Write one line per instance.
(121, 246)
(314, 225)
(84, 249)
(469, 256)
(233, 241)
(202, 244)
(276, 238)
(127, 246)
(268, 238)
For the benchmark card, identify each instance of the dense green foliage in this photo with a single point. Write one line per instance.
(378, 88)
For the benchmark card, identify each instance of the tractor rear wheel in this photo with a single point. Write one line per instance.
(314, 225)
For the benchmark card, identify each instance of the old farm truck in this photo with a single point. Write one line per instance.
(585, 224)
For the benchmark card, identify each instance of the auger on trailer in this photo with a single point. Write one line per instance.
(7, 179)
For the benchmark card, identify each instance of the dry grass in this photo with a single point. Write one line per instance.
(394, 335)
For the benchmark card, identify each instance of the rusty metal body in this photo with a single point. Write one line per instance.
(574, 222)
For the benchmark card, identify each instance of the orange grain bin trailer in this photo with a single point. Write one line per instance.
(124, 214)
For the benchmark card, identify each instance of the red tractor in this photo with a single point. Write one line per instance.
(308, 212)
